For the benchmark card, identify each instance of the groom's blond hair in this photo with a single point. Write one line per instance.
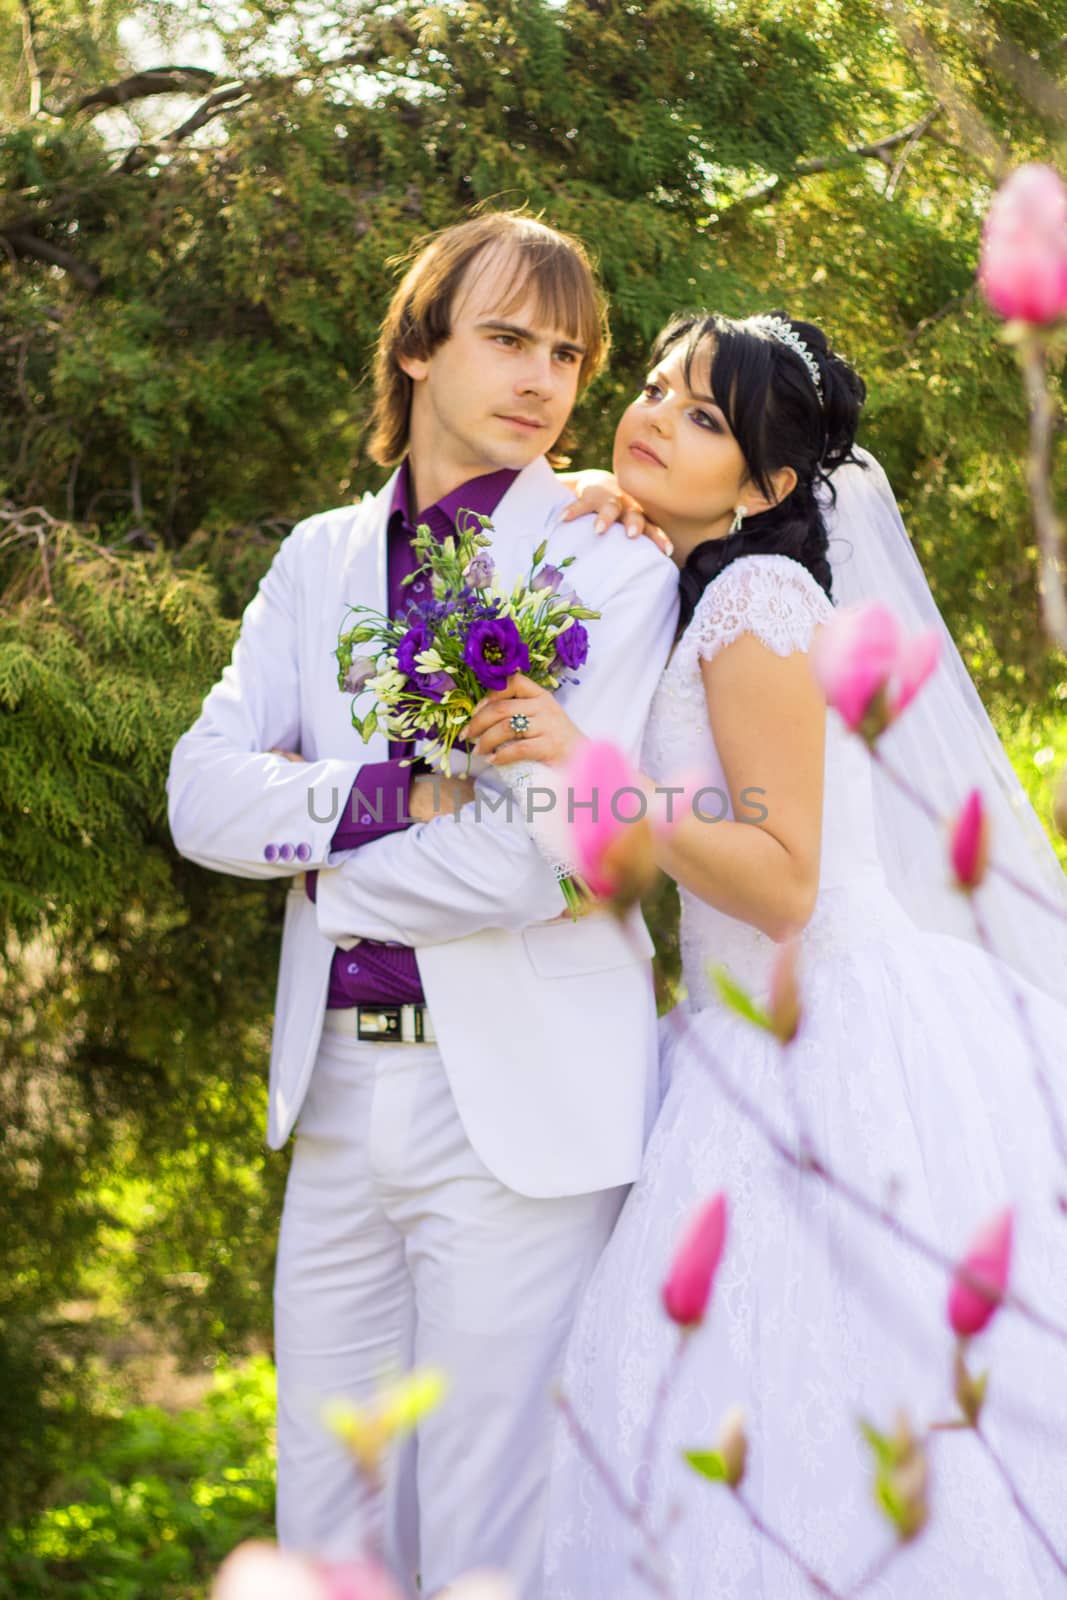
(554, 265)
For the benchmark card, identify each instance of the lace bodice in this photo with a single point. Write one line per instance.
(777, 600)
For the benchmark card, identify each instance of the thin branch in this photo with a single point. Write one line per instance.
(809, 1574)
(1020, 1504)
(921, 127)
(25, 243)
(874, 149)
(141, 85)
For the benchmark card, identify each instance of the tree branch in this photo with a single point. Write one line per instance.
(25, 243)
(876, 149)
(141, 85)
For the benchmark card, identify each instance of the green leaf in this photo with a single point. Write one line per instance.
(735, 998)
(370, 724)
(539, 553)
(709, 1464)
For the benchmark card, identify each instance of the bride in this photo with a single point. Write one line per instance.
(921, 1077)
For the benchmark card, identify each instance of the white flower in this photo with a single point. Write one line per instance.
(429, 661)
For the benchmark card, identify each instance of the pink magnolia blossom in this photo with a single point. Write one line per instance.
(988, 1260)
(916, 660)
(689, 1283)
(969, 845)
(609, 826)
(1023, 271)
(868, 669)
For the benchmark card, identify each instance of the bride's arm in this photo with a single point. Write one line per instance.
(768, 718)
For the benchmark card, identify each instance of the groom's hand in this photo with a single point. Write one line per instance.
(437, 795)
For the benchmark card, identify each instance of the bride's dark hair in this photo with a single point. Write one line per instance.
(769, 399)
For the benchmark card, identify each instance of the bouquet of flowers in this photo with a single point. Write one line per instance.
(429, 667)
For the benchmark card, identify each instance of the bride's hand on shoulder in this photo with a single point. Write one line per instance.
(548, 734)
(599, 492)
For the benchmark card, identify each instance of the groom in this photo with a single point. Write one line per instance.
(471, 1075)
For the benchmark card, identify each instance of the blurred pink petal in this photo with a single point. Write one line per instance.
(853, 657)
(1023, 270)
(359, 1580)
(969, 845)
(611, 847)
(260, 1571)
(688, 1287)
(988, 1260)
(916, 661)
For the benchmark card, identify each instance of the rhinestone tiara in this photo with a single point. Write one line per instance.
(779, 329)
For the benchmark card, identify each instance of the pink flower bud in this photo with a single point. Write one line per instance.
(969, 845)
(260, 1571)
(1023, 271)
(688, 1287)
(982, 1276)
(608, 819)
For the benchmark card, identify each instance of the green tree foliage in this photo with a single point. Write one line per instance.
(193, 262)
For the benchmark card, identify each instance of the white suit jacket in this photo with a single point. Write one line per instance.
(546, 1028)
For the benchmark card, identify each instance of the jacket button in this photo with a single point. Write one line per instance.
(303, 851)
(270, 852)
(285, 852)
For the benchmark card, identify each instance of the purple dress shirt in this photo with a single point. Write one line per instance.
(387, 974)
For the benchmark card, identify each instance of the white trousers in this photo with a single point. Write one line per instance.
(399, 1247)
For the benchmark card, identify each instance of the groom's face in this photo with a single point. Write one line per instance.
(498, 391)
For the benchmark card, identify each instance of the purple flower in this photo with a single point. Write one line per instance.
(494, 650)
(417, 639)
(479, 571)
(434, 685)
(548, 578)
(362, 668)
(572, 646)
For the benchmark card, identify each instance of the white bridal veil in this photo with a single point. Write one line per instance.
(943, 746)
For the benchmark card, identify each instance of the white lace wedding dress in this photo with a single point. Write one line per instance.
(912, 1083)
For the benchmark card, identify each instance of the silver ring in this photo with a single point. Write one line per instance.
(519, 723)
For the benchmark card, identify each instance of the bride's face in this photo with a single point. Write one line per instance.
(674, 452)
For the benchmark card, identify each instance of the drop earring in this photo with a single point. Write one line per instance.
(740, 513)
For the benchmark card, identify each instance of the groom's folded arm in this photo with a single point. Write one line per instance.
(233, 805)
(443, 880)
